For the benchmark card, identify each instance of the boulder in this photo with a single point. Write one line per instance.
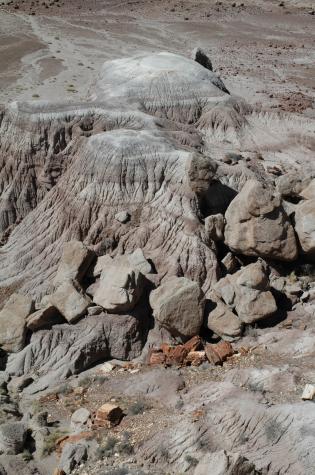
(74, 263)
(43, 318)
(224, 463)
(13, 322)
(108, 415)
(80, 419)
(222, 321)
(122, 217)
(178, 305)
(120, 287)
(257, 225)
(214, 225)
(70, 302)
(308, 192)
(247, 293)
(305, 226)
(95, 310)
(219, 352)
(12, 438)
(72, 456)
(291, 184)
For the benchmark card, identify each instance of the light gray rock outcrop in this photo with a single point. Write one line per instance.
(257, 225)
(13, 322)
(178, 305)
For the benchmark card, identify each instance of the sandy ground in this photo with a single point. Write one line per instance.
(53, 49)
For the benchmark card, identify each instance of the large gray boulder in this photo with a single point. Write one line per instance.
(305, 226)
(70, 301)
(257, 225)
(247, 293)
(221, 320)
(72, 455)
(75, 261)
(120, 287)
(178, 305)
(55, 354)
(12, 438)
(13, 322)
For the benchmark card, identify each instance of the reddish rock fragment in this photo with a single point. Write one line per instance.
(193, 344)
(157, 357)
(218, 353)
(108, 415)
(177, 355)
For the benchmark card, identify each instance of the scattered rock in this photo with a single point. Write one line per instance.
(80, 419)
(13, 322)
(120, 287)
(222, 321)
(305, 226)
(71, 303)
(72, 456)
(219, 352)
(123, 217)
(247, 292)
(308, 392)
(256, 224)
(224, 463)
(108, 415)
(74, 263)
(12, 438)
(178, 305)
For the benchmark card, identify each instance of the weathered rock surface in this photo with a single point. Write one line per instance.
(256, 224)
(75, 260)
(305, 226)
(222, 321)
(223, 463)
(43, 318)
(178, 305)
(80, 419)
(247, 293)
(12, 438)
(69, 349)
(13, 322)
(69, 301)
(72, 455)
(120, 287)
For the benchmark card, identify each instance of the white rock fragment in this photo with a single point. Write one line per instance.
(309, 392)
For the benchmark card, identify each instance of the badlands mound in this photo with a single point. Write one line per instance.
(158, 223)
